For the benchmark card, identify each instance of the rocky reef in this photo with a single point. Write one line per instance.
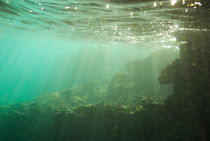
(132, 87)
(141, 79)
(190, 73)
(183, 116)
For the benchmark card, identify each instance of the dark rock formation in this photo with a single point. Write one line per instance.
(190, 103)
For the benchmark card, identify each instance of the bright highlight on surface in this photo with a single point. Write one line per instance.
(173, 2)
(107, 6)
(155, 4)
(131, 14)
(198, 3)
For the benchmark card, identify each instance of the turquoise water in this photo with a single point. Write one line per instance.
(51, 45)
(104, 70)
(33, 63)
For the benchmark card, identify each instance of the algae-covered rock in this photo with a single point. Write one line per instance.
(141, 79)
(76, 113)
(189, 105)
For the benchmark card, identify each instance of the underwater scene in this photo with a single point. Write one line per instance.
(104, 70)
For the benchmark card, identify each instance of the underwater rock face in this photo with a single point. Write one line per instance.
(189, 105)
(141, 78)
(130, 88)
(184, 116)
(118, 110)
(191, 70)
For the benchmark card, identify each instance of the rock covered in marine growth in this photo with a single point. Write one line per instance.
(188, 107)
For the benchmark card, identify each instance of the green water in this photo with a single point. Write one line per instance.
(86, 70)
(51, 45)
(34, 63)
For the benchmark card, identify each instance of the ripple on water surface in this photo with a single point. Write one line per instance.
(127, 21)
